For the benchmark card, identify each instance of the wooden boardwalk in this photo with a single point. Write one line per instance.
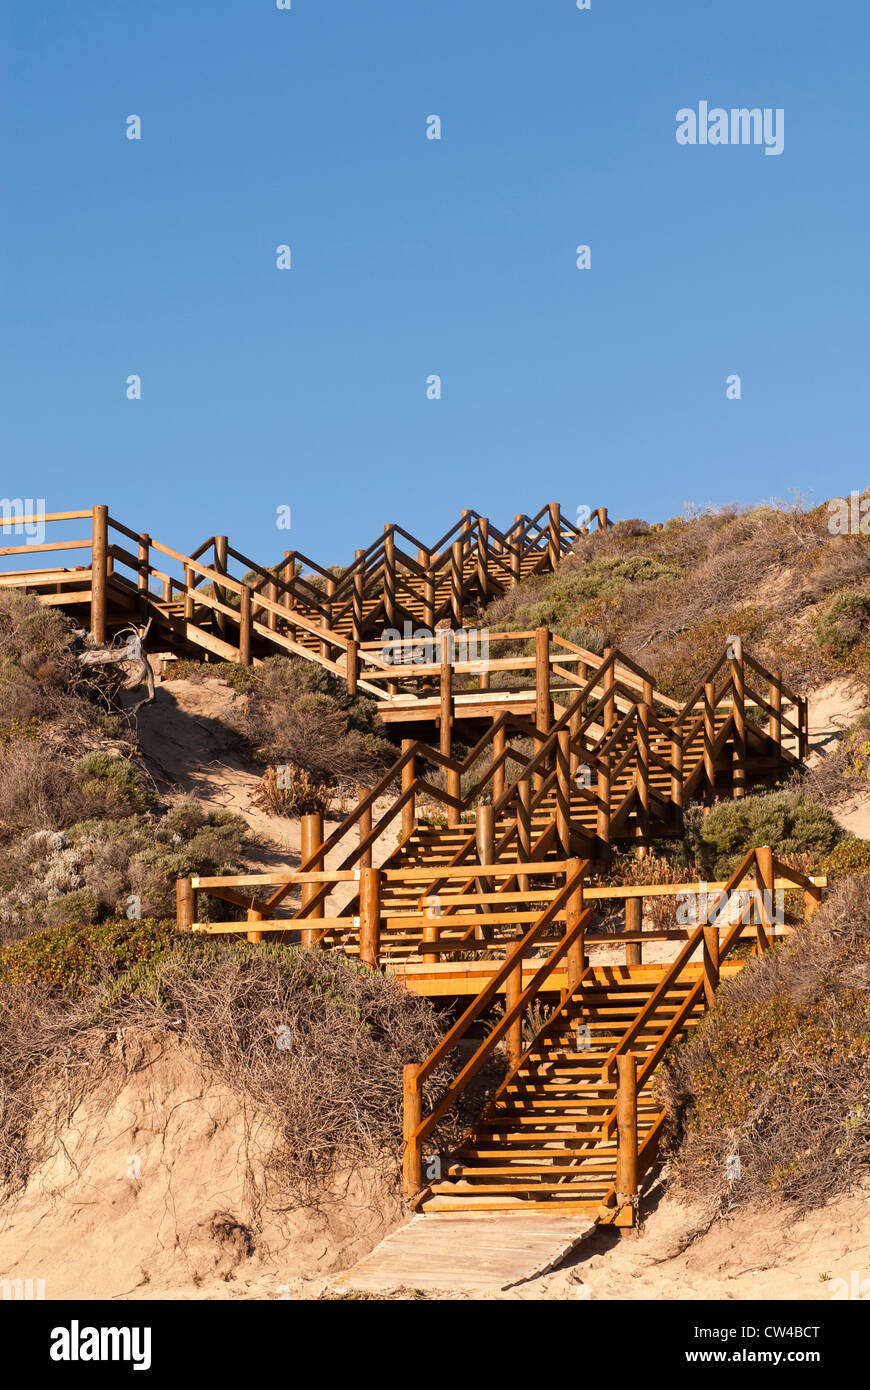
(477, 1255)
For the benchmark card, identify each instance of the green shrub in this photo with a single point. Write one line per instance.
(241, 678)
(70, 958)
(111, 786)
(787, 821)
(80, 908)
(91, 871)
(769, 1097)
(844, 623)
(850, 856)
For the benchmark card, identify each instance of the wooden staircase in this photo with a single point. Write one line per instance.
(547, 1136)
(594, 781)
(575, 1123)
(220, 601)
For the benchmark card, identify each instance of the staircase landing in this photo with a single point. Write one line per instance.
(475, 1253)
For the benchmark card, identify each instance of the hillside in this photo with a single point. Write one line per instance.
(147, 1102)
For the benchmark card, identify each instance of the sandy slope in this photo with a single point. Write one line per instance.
(832, 708)
(192, 1223)
(153, 1189)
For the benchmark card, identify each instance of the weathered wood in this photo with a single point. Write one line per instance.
(766, 876)
(370, 917)
(498, 777)
(476, 1253)
(711, 963)
(634, 925)
(245, 626)
(709, 738)
(365, 825)
(99, 571)
(563, 790)
(352, 666)
(254, 915)
(457, 588)
(412, 1159)
(626, 1122)
(445, 715)
(409, 810)
(312, 838)
(738, 709)
(184, 904)
(576, 960)
(543, 702)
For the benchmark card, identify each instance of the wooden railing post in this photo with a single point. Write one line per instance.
(602, 819)
(445, 711)
(409, 774)
(575, 957)
(555, 535)
(245, 626)
(370, 917)
(633, 925)
(738, 707)
(312, 837)
(412, 1158)
(326, 618)
(803, 720)
(711, 963)
(774, 727)
(456, 584)
(431, 933)
(185, 904)
(357, 601)
(390, 574)
(642, 779)
(220, 559)
(485, 841)
(99, 571)
(454, 789)
(352, 667)
(498, 776)
(812, 899)
(516, 554)
(272, 596)
(483, 558)
(142, 576)
(677, 771)
(709, 738)
(445, 721)
(365, 827)
(289, 578)
(609, 712)
(764, 867)
(563, 789)
(543, 704)
(254, 915)
(626, 1127)
(524, 827)
(424, 560)
(189, 598)
(513, 990)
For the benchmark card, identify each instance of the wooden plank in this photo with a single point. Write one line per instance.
(474, 1253)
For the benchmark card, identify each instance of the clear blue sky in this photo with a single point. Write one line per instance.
(307, 388)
